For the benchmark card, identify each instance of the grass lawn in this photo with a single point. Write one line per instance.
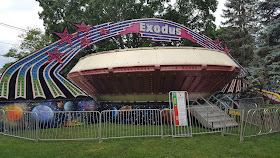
(207, 145)
(272, 106)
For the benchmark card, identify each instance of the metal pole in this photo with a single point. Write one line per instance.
(37, 127)
(189, 113)
(161, 124)
(224, 126)
(241, 130)
(171, 117)
(4, 124)
(99, 133)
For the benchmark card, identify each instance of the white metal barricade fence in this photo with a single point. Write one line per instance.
(261, 121)
(234, 122)
(21, 124)
(83, 125)
(69, 125)
(167, 119)
(2, 121)
(130, 123)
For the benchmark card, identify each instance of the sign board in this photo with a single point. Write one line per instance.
(234, 112)
(179, 106)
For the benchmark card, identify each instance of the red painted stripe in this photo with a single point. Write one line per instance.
(176, 115)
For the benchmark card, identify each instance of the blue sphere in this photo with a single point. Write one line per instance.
(45, 114)
(69, 106)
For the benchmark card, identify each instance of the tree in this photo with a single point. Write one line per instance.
(32, 40)
(240, 29)
(58, 14)
(194, 14)
(268, 51)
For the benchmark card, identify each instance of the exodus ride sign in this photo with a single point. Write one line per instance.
(179, 106)
(159, 28)
(158, 31)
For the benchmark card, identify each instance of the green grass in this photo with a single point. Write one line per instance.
(272, 106)
(207, 145)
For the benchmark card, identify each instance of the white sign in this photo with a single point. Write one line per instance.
(179, 106)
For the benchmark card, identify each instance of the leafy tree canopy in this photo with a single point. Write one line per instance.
(240, 29)
(268, 47)
(32, 40)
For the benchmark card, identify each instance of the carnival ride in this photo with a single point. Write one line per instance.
(269, 95)
(37, 76)
(148, 74)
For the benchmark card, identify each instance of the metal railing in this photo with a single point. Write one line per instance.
(167, 122)
(88, 125)
(251, 103)
(21, 124)
(69, 125)
(220, 103)
(2, 121)
(262, 121)
(234, 119)
(130, 123)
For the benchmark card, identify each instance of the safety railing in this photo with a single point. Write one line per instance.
(2, 121)
(222, 105)
(261, 121)
(69, 125)
(130, 123)
(21, 124)
(233, 122)
(251, 103)
(167, 122)
(88, 125)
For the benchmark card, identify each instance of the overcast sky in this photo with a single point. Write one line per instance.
(24, 14)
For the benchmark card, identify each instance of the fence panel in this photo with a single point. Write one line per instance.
(182, 130)
(262, 121)
(69, 125)
(130, 123)
(234, 122)
(167, 118)
(21, 124)
(2, 121)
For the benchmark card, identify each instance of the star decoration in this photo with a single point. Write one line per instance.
(217, 42)
(85, 41)
(55, 55)
(65, 37)
(206, 42)
(103, 31)
(83, 27)
(226, 50)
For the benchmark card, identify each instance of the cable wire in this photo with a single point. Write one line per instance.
(12, 27)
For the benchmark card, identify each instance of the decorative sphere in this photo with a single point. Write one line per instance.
(69, 106)
(44, 113)
(14, 113)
